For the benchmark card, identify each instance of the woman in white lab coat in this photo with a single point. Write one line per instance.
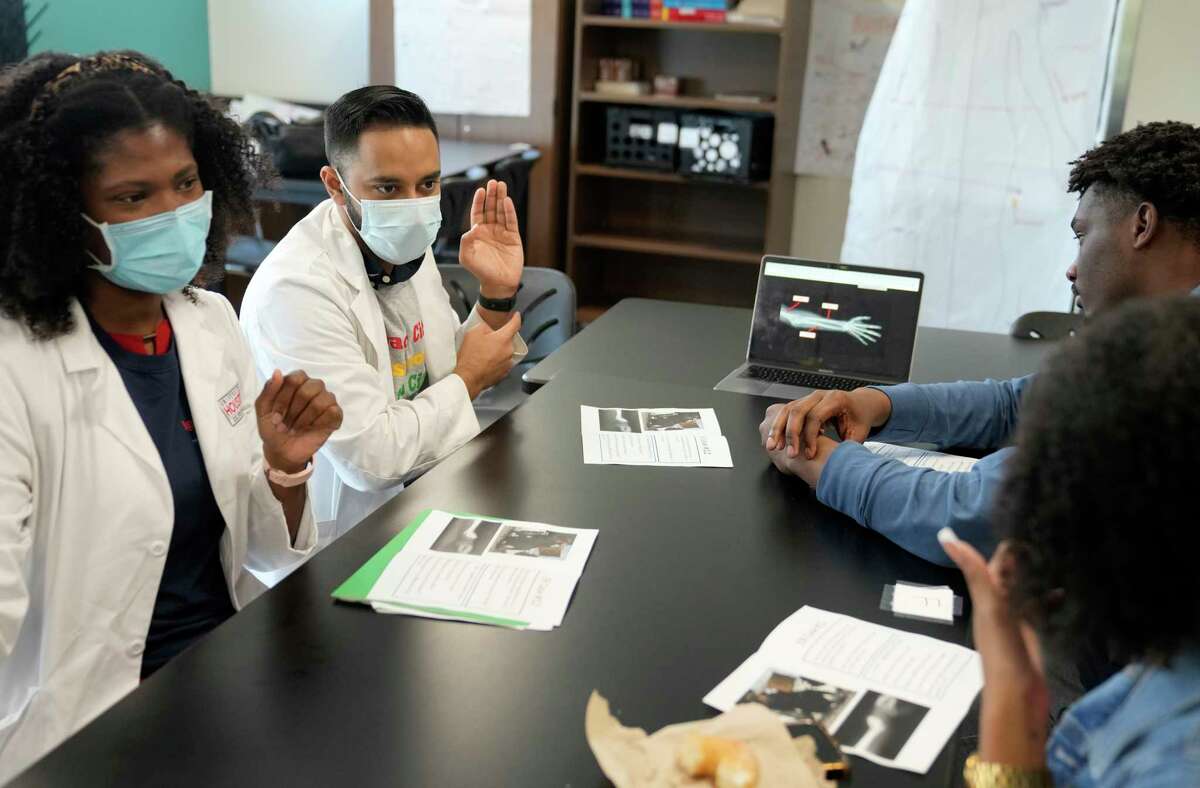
(142, 473)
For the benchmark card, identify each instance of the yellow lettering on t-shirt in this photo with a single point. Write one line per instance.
(416, 359)
(399, 370)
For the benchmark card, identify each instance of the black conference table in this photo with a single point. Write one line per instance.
(639, 338)
(692, 568)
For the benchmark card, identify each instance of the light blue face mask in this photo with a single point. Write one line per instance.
(157, 254)
(397, 231)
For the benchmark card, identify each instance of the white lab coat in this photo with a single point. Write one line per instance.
(310, 306)
(86, 514)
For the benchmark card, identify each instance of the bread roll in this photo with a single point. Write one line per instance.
(730, 762)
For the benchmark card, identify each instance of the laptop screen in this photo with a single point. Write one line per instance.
(834, 318)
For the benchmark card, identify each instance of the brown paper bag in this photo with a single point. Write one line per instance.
(631, 759)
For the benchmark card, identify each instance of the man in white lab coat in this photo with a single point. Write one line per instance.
(352, 295)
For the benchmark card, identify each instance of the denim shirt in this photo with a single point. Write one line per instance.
(909, 505)
(1140, 729)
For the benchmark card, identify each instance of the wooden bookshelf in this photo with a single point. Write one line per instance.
(605, 171)
(711, 247)
(634, 231)
(682, 102)
(599, 20)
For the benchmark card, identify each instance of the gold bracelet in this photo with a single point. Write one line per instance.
(984, 774)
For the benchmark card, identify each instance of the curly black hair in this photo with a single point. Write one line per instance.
(52, 125)
(1157, 163)
(1100, 496)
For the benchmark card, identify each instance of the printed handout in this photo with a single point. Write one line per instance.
(922, 458)
(679, 437)
(889, 696)
(478, 569)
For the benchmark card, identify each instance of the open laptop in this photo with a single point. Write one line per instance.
(821, 325)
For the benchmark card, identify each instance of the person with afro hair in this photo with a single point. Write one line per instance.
(1138, 226)
(1098, 516)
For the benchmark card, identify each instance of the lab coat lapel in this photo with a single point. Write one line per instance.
(347, 259)
(202, 353)
(105, 398)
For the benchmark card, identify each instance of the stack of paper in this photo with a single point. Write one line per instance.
(922, 458)
(478, 569)
(675, 437)
(889, 696)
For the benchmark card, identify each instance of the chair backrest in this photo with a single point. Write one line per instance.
(1050, 326)
(546, 301)
(514, 171)
(457, 192)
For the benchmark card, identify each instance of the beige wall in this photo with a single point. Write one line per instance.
(819, 217)
(1165, 64)
(1163, 86)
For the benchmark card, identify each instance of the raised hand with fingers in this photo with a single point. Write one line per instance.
(491, 249)
(1014, 716)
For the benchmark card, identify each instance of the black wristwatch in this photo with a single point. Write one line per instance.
(498, 304)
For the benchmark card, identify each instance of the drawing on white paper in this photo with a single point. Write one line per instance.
(963, 158)
(846, 48)
(465, 57)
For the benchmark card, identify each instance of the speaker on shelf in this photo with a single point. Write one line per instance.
(725, 146)
(641, 137)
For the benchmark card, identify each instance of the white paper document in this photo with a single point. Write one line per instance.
(679, 437)
(889, 696)
(922, 458)
(491, 571)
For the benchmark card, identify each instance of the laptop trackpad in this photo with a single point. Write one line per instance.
(740, 383)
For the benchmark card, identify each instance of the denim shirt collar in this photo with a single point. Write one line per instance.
(1105, 722)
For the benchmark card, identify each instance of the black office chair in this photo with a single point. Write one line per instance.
(1051, 326)
(457, 192)
(515, 171)
(546, 301)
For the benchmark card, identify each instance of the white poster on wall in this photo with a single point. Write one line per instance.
(846, 47)
(963, 158)
(301, 50)
(465, 57)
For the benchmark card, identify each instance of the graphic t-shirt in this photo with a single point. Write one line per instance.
(406, 338)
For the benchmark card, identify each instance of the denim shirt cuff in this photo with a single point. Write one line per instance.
(910, 414)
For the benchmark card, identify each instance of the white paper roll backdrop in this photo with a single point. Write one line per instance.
(303, 50)
(963, 158)
(465, 57)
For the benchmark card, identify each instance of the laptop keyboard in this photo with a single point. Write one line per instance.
(810, 380)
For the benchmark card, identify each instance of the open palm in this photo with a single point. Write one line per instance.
(491, 249)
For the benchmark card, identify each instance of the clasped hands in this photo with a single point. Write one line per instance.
(792, 432)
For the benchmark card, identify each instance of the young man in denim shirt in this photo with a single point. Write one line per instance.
(1138, 225)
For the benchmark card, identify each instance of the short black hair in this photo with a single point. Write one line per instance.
(57, 111)
(375, 105)
(1100, 496)
(1157, 163)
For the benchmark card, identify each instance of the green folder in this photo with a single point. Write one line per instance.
(357, 588)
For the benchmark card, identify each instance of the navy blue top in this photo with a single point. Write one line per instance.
(193, 597)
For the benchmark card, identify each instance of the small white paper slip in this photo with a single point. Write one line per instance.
(931, 602)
